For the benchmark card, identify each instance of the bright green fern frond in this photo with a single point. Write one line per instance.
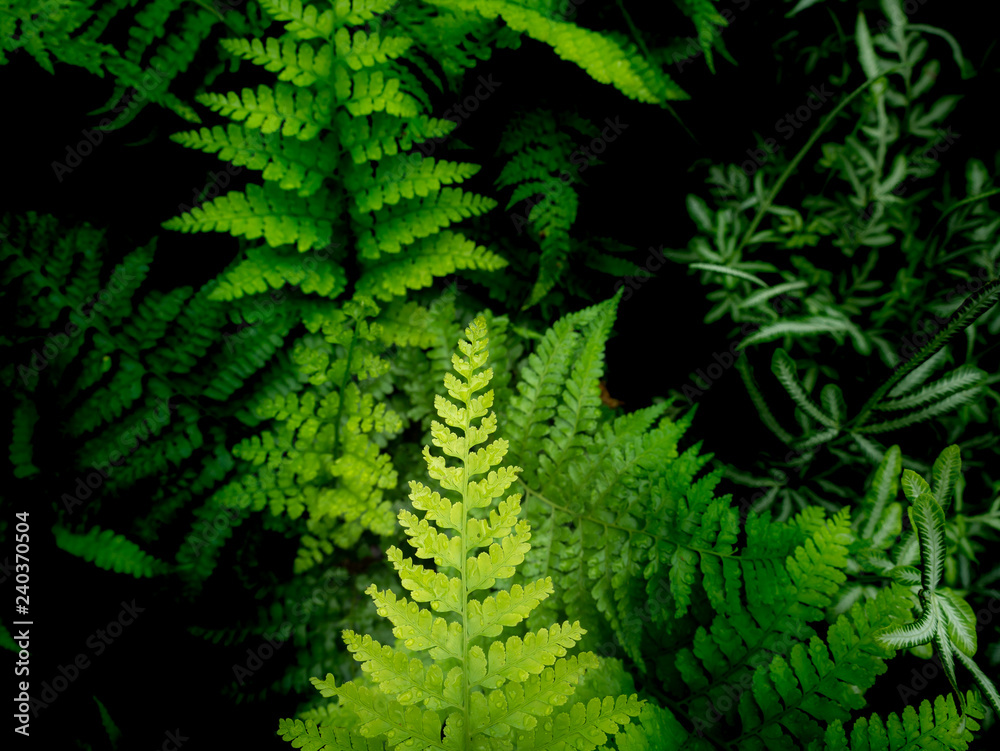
(304, 20)
(370, 137)
(322, 454)
(604, 59)
(327, 738)
(576, 418)
(420, 263)
(21, 450)
(409, 176)
(268, 212)
(363, 50)
(394, 227)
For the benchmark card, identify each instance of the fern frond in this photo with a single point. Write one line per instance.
(602, 57)
(819, 681)
(706, 18)
(266, 268)
(418, 264)
(363, 50)
(933, 726)
(109, 551)
(303, 20)
(409, 176)
(293, 164)
(21, 450)
(299, 63)
(381, 134)
(490, 689)
(393, 227)
(294, 112)
(964, 378)
(307, 735)
(784, 368)
(267, 212)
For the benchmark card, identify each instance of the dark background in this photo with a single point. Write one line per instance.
(156, 677)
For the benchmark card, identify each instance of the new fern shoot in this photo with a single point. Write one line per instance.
(450, 683)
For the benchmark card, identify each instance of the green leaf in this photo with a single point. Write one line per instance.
(959, 619)
(945, 474)
(927, 519)
(784, 368)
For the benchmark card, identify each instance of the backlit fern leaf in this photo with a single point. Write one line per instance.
(109, 551)
(500, 690)
(293, 112)
(394, 227)
(293, 164)
(706, 18)
(266, 268)
(299, 63)
(268, 212)
(343, 91)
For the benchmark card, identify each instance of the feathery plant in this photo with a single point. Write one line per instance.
(76, 32)
(493, 692)
(318, 459)
(808, 305)
(96, 369)
(701, 599)
(339, 135)
(717, 628)
(544, 166)
(947, 621)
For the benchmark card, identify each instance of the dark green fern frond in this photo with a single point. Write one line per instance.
(112, 388)
(44, 29)
(321, 457)
(110, 551)
(70, 32)
(615, 507)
